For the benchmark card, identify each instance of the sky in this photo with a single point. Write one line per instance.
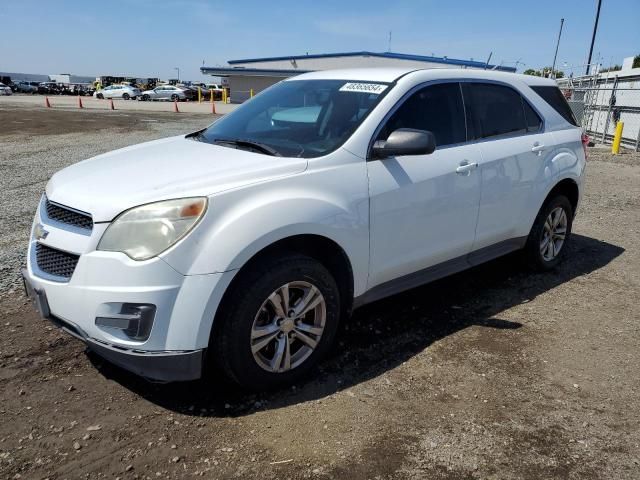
(150, 38)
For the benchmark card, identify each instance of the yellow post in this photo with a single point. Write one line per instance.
(251, 93)
(199, 95)
(615, 148)
(211, 95)
(224, 95)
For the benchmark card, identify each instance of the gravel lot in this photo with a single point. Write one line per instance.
(494, 373)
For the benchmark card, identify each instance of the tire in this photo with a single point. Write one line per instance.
(538, 248)
(100, 96)
(248, 308)
(175, 98)
(125, 96)
(145, 98)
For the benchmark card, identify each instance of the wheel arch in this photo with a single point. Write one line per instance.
(319, 247)
(567, 187)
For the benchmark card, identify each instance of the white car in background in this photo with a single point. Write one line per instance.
(126, 92)
(5, 90)
(247, 243)
(166, 92)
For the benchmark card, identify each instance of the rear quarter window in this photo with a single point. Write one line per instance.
(553, 96)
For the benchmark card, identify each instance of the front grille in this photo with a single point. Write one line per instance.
(55, 262)
(70, 217)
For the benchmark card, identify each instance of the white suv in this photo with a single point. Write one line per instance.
(246, 243)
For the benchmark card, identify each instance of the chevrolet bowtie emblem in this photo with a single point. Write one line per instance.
(39, 232)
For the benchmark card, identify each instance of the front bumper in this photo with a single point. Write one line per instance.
(162, 366)
(185, 305)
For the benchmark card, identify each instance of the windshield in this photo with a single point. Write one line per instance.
(298, 118)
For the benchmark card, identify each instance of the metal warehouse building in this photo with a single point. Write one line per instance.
(256, 74)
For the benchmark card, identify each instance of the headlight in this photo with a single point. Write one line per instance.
(144, 232)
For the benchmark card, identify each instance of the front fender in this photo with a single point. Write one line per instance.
(241, 223)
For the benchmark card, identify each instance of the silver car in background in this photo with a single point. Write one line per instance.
(4, 90)
(125, 92)
(166, 92)
(22, 86)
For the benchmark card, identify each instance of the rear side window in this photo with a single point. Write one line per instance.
(534, 122)
(495, 110)
(436, 108)
(553, 96)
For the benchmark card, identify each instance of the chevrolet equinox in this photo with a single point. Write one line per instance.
(245, 243)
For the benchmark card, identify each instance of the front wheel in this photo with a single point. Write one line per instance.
(278, 322)
(175, 98)
(99, 96)
(125, 96)
(547, 242)
(145, 97)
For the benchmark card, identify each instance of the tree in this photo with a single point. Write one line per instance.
(636, 62)
(615, 68)
(545, 72)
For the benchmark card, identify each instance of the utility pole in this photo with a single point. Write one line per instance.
(555, 56)
(389, 46)
(486, 65)
(593, 37)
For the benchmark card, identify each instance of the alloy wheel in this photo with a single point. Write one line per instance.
(554, 232)
(288, 326)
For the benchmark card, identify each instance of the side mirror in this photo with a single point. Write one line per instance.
(405, 141)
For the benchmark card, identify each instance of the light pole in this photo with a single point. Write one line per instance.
(178, 69)
(555, 56)
(593, 37)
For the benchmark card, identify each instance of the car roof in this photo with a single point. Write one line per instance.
(388, 75)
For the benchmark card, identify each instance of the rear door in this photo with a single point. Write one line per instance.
(514, 148)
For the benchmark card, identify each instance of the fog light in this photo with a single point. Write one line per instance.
(134, 319)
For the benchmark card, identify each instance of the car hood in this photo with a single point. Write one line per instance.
(174, 167)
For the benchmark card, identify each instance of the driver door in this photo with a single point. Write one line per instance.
(424, 208)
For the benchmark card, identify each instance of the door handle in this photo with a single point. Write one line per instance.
(466, 167)
(537, 148)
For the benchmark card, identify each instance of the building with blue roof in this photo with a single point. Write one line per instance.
(257, 74)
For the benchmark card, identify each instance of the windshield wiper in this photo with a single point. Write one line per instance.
(240, 142)
(196, 135)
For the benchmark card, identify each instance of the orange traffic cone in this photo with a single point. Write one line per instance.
(213, 108)
(175, 106)
(111, 104)
(80, 102)
(46, 102)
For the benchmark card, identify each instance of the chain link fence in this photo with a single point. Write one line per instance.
(599, 104)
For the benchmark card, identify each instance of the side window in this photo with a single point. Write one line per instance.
(534, 122)
(495, 109)
(436, 108)
(553, 96)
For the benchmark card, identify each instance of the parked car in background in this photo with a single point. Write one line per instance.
(50, 88)
(246, 243)
(5, 90)
(167, 92)
(125, 92)
(22, 86)
(217, 90)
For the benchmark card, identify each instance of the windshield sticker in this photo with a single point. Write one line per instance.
(375, 88)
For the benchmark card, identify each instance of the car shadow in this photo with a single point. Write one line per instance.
(384, 334)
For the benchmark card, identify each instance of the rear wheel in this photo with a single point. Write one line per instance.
(99, 95)
(547, 242)
(279, 320)
(175, 98)
(145, 97)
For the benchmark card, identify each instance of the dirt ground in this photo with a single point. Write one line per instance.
(494, 373)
